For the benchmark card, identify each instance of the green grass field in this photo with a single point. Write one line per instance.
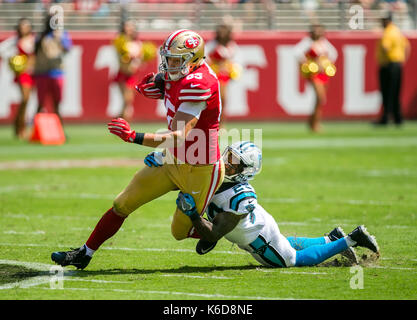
(350, 174)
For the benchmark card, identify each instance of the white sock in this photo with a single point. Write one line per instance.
(89, 252)
(327, 239)
(349, 241)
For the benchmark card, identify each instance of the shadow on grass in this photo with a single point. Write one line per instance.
(179, 270)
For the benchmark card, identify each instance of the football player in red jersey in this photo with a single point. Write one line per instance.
(191, 158)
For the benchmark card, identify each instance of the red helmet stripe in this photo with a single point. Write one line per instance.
(172, 37)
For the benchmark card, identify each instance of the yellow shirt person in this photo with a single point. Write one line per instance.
(393, 46)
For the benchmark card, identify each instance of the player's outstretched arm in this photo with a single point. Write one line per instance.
(223, 222)
(182, 124)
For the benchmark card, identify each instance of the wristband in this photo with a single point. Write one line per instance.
(139, 138)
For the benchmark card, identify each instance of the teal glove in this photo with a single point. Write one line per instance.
(185, 202)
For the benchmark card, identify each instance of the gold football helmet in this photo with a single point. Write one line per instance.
(185, 44)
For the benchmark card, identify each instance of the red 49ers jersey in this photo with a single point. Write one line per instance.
(201, 145)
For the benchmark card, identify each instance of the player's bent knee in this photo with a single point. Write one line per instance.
(179, 234)
(121, 209)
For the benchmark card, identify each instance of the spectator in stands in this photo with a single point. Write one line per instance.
(220, 53)
(22, 65)
(316, 56)
(51, 46)
(130, 53)
(393, 49)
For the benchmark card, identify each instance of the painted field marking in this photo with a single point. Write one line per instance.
(306, 143)
(196, 277)
(65, 164)
(69, 275)
(39, 232)
(290, 272)
(116, 248)
(392, 268)
(191, 294)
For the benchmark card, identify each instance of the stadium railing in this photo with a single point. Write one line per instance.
(264, 15)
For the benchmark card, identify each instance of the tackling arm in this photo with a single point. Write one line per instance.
(223, 222)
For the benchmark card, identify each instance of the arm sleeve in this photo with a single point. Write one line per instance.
(193, 108)
(195, 90)
(8, 47)
(243, 203)
(331, 51)
(301, 48)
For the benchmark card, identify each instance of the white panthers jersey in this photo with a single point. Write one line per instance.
(257, 232)
(239, 199)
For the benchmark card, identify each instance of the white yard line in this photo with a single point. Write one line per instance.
(190, 294)
(354, 202)
(196, 277)
(290, 272)
(307, 143)
(68, 275)
(392, 268)
(64, 164)
(333, 143)
(116, 248)
(39, 232)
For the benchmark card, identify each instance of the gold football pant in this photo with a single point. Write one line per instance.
(149, 183)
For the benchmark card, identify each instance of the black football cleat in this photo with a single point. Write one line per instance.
(338, 233)
(363, 239)
(75, 257)
(204, 246)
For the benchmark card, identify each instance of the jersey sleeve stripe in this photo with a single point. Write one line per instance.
(237, 199)
(194, 91)
(196, 98)
(214, 183)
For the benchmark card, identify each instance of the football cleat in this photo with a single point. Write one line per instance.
(204, 246)
(338, 233)
(364, 239)
(75, 257)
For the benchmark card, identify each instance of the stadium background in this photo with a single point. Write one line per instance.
(270, 87)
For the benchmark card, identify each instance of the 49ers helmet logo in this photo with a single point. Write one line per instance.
(192, 42)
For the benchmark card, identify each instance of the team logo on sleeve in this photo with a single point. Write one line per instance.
(192, 42)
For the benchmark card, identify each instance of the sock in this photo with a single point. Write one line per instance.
(108, 225)
(316, 254)
(350, 242)
(193, 234)
(300, 243)
(88, 251)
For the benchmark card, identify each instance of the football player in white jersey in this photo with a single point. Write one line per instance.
(235, 214)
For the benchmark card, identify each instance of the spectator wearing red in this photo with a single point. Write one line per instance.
(22, 66)
(130, 52)
(319, 55)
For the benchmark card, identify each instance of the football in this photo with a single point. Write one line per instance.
(159, 81)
